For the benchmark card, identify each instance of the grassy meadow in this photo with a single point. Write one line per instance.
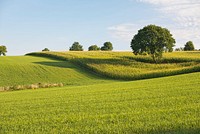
(126, 66)
(93, 101)
(24, 70)
(161, 105)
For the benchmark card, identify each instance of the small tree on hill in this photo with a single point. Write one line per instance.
(76, 47)
(107, 46)
(93, 48)
(179, 49)
(3, 50)
(46, 49)
(189, 46)
(153, 40)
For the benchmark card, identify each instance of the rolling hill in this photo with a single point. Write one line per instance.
(126, 66)
(89, 102)
(23, 70)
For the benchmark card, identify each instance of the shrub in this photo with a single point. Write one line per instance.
(76, 47)
(107, 46)
(93, 48)
(3, 50)
(189, 46)
(46, 49)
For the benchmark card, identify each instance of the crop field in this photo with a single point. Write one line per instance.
(91, 101)
(161, 105)
(98, 67)
(126, 66)
(24, 70)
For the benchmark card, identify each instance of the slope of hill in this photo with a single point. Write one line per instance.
(23, 70)
(161, 105)
(126, 66)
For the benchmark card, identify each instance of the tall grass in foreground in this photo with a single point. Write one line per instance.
(126, 66)
(163, 105)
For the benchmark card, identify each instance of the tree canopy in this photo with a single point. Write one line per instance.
(107, 46)
(93, 48)
(3, 50)
(45, 49)
(76, 47)
(153, 40)
(189, 46)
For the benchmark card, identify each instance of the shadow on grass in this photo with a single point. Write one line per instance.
(77, 67)
(109, 61)
(60, 64)
(148, 59)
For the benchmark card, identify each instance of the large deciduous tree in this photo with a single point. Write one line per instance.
(153, 40)
(189, 46)
(3, 50)
(76, 47)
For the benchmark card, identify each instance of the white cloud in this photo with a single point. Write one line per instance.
(123, 31)
(182, 16)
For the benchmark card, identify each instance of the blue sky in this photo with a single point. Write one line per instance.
(32, 25)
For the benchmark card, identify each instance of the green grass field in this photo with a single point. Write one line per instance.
(23, 70)
(161, 105)
(90, 103)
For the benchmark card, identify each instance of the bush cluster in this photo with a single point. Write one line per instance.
(107, 46)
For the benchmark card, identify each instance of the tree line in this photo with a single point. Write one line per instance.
(189, 46)
(150, 40)
(76, 46)
(107, 46)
